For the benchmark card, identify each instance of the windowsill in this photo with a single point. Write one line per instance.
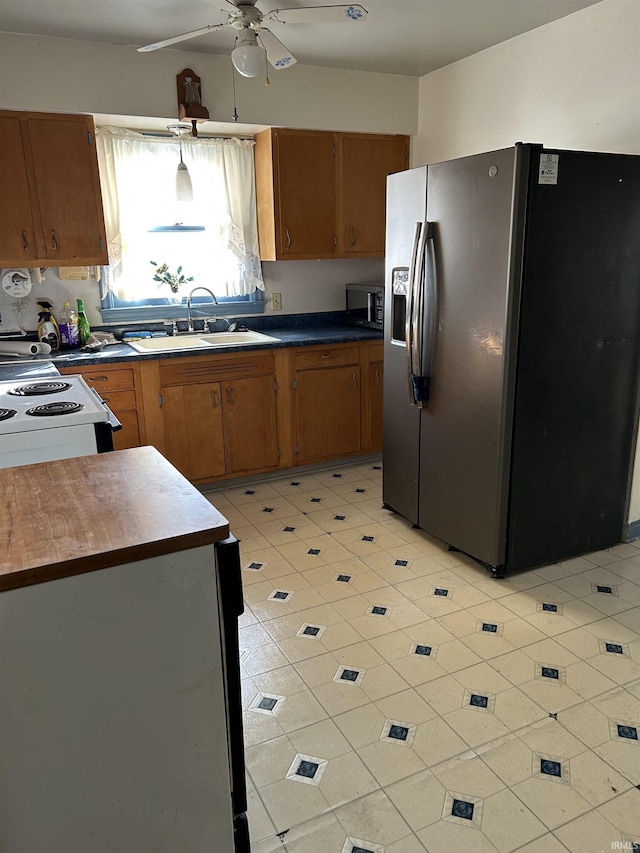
(123, 313)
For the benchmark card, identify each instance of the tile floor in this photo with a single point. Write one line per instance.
(399, 700)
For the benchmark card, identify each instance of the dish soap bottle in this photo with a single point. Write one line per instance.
(48, 330)
(83, 323)
(69, 325)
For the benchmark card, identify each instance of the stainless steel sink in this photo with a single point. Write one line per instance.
(201, 341)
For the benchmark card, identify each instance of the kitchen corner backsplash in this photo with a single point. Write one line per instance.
(304, 286)
(312, 286)
(17, 313)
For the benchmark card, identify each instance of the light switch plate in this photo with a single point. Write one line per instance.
(276, 302)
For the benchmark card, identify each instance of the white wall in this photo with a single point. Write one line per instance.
(574, 83)
(317, 285)
(65, 75)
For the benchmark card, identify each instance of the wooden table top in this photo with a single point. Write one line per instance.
(77, 515)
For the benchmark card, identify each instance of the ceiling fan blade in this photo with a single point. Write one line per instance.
(318, 15)
(183, 37)
(278, 55)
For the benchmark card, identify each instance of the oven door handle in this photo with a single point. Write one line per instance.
(114, 423)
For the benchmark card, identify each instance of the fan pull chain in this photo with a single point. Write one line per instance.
(233, 79)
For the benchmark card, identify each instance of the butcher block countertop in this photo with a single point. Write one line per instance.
(72, 516)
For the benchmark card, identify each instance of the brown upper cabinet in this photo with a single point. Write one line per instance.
(321, 194)
(52, 209)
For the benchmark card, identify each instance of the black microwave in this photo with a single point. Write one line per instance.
(365, 305)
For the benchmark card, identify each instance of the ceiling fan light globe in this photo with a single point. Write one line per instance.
(248, 59)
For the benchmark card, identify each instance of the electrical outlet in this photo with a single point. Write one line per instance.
(276, 302)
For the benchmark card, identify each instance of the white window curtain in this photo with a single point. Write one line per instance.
(137, 175)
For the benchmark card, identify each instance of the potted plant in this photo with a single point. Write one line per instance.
(174, 280)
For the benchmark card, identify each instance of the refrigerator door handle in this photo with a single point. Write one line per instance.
(421, 379)
(417, 313)
(409, 312)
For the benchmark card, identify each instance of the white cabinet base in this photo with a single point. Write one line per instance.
(112, 722)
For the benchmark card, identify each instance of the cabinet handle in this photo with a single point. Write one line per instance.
(97, 378)
(214, 399)
(105, 399)
(288, 238)
(54, 242)
(377, 379)
(352, 238)
(332, 355)
(230, 395)
(355, 380)
(25, 242)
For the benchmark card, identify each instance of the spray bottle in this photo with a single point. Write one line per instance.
(48, 330)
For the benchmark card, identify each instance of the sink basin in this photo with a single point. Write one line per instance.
(201, 341)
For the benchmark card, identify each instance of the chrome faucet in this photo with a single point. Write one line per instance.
(189, 319)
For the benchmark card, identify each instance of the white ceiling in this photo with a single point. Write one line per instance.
(410, 37)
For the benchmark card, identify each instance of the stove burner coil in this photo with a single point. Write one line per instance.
(34, 389)
(5, 414)
(59, 407)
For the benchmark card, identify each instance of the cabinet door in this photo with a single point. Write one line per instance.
(328, 412)
(129, 435)
(250, 441)
(193, 429)
(366, 162)
(65, 168)
(375, 405)
(307, 178)
(17, 236)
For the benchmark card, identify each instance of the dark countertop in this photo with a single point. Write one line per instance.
(287, 337)
(291, 330)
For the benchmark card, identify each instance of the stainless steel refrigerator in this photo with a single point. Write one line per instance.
(512, 332)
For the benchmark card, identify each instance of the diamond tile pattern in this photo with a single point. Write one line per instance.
(553, 652)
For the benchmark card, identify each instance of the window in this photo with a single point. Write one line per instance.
(138, 186)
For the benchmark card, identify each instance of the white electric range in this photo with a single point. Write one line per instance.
(51, 417)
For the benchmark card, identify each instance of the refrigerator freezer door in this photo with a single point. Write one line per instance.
(406, 200)
(578, 363)
(464, 443)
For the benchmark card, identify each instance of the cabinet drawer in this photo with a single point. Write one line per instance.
(214, 368)
(106, 380)
(119, 401)
(327, 357)
(376, 352)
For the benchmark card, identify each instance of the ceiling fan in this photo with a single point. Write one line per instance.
(254, 41)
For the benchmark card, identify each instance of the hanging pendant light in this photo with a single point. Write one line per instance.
(184, 188)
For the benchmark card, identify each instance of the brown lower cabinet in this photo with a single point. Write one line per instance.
(118, 385)
(376, 376)
(327, 402)
(192, 416)
(220, 428)
(226, 415)
(214, 416)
